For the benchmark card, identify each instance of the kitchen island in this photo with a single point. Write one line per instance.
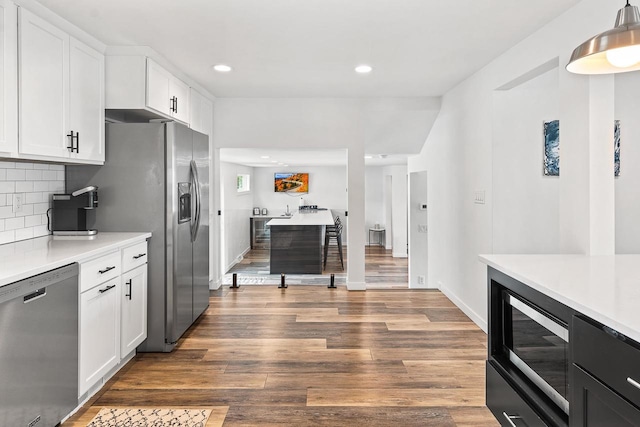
(296, 242)
(564, 339)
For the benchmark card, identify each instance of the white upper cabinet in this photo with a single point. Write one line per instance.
(61, 101)
(201, 113)
(138, 87)
(86, 100)
(44, 87)
(158, 88)
(179, 91)
(166, 93)
(8, 77)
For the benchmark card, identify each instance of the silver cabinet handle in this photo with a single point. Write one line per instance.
(633, 382)
(510, 419)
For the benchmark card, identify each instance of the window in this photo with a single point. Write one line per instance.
(243, 184)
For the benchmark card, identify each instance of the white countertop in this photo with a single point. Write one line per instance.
(26, 258)
(306, 218)
(605, 288)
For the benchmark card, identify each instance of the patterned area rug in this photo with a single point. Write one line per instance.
(138, 417)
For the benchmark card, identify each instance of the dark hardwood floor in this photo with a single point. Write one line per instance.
(312, 356)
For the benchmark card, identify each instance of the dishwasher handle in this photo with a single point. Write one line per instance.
(40, 293)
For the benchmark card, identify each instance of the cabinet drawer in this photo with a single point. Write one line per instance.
(610, 357)
(506, 404)
(134, 256)
(99, 270)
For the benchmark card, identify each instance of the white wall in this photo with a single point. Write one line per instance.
(373, 197)
(399, 214)
(418, 241)
(37, 182)
(236, 210)
(526, 205)
(627, 204)
(327, 189)
(458, 156)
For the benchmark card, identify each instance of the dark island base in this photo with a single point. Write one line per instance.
(296, 249)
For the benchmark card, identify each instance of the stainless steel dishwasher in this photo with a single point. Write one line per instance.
(39, 349)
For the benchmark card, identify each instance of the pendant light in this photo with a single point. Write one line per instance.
(614, 51)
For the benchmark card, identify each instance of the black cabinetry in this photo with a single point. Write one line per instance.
(605, 376)
(550, 365)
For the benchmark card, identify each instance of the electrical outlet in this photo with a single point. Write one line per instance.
(420, 280)
(422, 228)
(18, 200)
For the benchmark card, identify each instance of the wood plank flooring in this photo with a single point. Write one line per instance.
(382, 271)
(312, 356)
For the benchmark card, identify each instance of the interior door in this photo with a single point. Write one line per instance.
(201, 242)
(180, 291)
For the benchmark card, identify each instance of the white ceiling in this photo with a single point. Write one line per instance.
(309, 48)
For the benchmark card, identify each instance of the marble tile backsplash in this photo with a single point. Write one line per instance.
(36, 182)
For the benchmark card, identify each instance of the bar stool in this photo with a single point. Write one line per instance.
(333, 232)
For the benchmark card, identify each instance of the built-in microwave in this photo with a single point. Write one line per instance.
(529, 346)
(537, 343)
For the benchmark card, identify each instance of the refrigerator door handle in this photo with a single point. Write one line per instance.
(196, 186)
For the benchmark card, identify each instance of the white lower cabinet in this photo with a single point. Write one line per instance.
(113, 313)
(134, 309)
(99, 332)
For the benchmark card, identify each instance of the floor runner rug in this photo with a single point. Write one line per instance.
(150, 417)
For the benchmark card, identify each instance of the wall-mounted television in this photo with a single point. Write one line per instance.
(291, 182)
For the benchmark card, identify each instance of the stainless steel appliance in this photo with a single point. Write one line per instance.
(70, 212)
(39, 348)
(528, 354)
(156, 178)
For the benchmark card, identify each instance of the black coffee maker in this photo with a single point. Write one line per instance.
(70, 212)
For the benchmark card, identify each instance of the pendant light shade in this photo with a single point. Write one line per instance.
(614, 51)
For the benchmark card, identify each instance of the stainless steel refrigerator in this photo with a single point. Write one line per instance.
(156, 178)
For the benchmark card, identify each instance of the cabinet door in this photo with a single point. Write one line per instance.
(596, 405)
(8, 77)
(201, 113)
(43, 87)
(86, 101)
(99, 332)
(180, 90)
(134, 309)
(158, 80)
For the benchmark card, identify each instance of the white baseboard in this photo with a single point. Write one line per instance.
(356, 286)
(477, 319)
(399, 254)
(215, 284)
(237, 259)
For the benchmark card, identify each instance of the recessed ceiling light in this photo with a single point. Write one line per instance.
(368, 157)
(222, 68)
(274, 161)
(264, 157)
(364, 69)
(286, 166)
